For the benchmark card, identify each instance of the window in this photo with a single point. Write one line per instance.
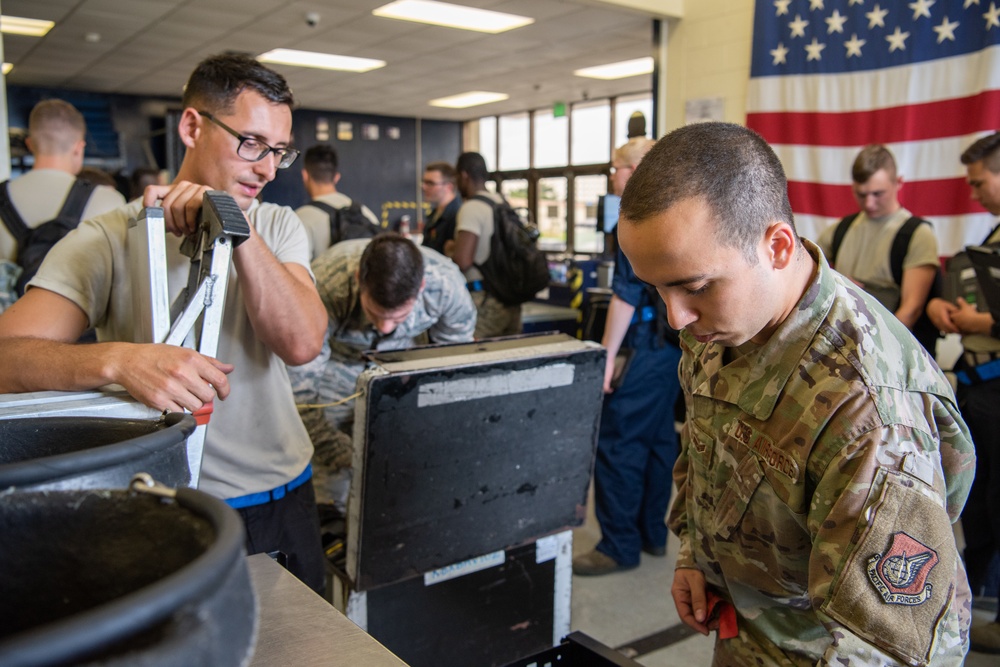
(552, 224)
(588, 237)
(551, 140)
(488, 141)
(591, 132)
(555, 169)
(624, 108)
(515, 191)
(514, 148)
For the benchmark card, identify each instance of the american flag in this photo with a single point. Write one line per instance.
(922, 77)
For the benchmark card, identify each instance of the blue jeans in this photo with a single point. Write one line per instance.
(636, 451)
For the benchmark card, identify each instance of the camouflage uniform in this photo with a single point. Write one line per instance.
(443, 313)
(818, 480)
(9, 273)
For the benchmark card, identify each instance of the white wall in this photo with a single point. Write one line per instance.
(708, 55)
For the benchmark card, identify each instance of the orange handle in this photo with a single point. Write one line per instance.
(204, 413)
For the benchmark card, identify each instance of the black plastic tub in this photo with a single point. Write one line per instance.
(93, 452)
(123, 578)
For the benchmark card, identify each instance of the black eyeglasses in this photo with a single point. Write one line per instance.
(255, 150)
(432, 184)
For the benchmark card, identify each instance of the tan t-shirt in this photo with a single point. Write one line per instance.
(255, 439)
(476, 216)
(865, 251)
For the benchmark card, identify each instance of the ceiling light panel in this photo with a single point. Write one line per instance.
(320, 60)
(472, 98)
(15, 25)
(619, 70)
(452, 16)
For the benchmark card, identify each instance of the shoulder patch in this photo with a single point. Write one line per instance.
(895, 588)
(900, 575)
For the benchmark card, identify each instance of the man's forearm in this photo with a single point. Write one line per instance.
(39, 364)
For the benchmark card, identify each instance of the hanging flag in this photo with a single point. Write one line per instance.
(922, 77)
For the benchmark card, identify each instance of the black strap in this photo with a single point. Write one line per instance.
(76, 200)
(11, 218)
(901, 244)
(838, 236)
(489, 200)
(71, 211)
(330, 211)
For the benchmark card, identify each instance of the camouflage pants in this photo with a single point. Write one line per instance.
(327, 379)
(493, 318)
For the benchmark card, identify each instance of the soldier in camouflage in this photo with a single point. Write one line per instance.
(383, 293)
(823, 458)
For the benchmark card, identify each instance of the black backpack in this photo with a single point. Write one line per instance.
(516, 269)
(923, 329)
(34, 244)
(348, 222)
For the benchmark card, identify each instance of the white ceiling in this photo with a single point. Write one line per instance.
(149, 47)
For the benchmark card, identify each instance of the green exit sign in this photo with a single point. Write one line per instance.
(558, 109)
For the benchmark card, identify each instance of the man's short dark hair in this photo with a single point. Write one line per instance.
(391, 270)
(985, 149)
(321, 163)
(474, 165)
(729, 167)
(446, 170)
(872, 158)
(218, 80)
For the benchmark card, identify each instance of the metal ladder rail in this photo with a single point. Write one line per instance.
(195, 319)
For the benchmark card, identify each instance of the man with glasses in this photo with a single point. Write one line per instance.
(236, 126)
(438, 187)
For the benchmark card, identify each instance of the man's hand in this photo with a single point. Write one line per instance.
(940, 313)
(688, 591)
(971, 321)
(167, 377)
(181, 203)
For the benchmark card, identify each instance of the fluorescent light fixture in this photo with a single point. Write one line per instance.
(620, 70)
(470, 99)
(15, 25)
(7, 67)
(320, 60)
(452, 16)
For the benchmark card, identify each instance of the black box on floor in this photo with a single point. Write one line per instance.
(471, 462)
(484, 612)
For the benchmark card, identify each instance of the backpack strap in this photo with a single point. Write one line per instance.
(489, 200)
(900, 244)
(76, 200)
(335, 231)
(11, 218)
(838, 236)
